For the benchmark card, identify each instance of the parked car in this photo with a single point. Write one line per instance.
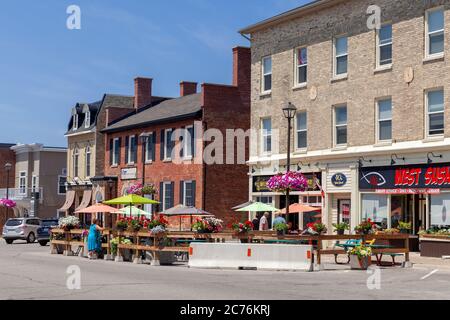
(21, 229)
(43, 232)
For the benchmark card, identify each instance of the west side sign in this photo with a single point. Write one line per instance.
(413, 179)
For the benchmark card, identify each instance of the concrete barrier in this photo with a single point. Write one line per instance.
(251, 256)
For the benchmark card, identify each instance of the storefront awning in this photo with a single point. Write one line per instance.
(70, 197)
(86, 201)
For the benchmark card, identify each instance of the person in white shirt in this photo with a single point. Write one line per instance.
(264, 222)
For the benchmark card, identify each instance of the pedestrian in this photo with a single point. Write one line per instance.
(279, 220)
(264, 222)
(255, 222)
(94, 239)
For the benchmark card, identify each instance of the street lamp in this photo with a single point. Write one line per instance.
(144, 139)
(289, 113)
(8, 167)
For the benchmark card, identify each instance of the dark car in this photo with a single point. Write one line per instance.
(43, 232)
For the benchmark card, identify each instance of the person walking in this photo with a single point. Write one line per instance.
(94, 239)
(264, 222)
(255, 222)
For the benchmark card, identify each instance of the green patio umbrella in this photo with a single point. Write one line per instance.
(130, 200)
(135, 212)
(258, 207)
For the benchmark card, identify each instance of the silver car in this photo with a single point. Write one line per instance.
(21, 229)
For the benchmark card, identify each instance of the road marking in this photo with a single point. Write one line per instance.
(430, 274)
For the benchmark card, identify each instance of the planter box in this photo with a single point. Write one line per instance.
(434, 247)
(360, 264)
(126, 254)
(165, 258)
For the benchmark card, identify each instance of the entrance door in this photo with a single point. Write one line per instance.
(421, 215)
(344, 210)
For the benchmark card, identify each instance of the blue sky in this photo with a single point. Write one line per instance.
(46, 68)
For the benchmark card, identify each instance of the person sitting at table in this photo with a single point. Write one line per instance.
(94, 239)
(278, 219)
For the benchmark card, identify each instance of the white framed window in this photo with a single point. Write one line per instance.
(23, 182)
(265, 200)
(266, 143)
(149, 146)
(384, 120)
(188, 142)
(301, 66)
(435, 112)
(62, 185)
(439, 210)
(384, 46)
(375, 207)
(167, 195)
(266, 74)
(131, 159)
(75, 122)
(168, 144)
(88, 162)
(340, 50)
(188, 193)
(340, 125)
(87, 119)
(434, 31)
(34, 183)
(76, 158)
(302, 131)
(116, 152)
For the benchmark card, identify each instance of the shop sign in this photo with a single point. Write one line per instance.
(425, 177)
(339, 180)
(260, 182)
(128, 174)
(408, 191)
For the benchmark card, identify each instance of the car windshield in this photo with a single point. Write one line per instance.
(49, 223)
(14, 222)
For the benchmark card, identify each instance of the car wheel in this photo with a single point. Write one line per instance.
(31, 238)
(43, 243)
(9, 241)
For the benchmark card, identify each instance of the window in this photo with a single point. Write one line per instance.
(265, 200)
(188, 140)
(188, 192)
(75, 122)
(88, 162)
(87, 121)
(435, 110)
(434, 32)
(375, 207)
(116, 152)
(302, 66)
(167, 195)
(341, 56)
(440, 210)
(131, 150)
(384, 48)
(340, 123)
(150, 148)
(384, 113)
(266, 135)
(62, 185)
(76, 157)
(302, 141)
(34, 184)
(23, 182)
(168, 144)
(267, 74)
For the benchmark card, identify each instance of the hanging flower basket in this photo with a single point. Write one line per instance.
(7, 203)
(142, 190)
(290, 181)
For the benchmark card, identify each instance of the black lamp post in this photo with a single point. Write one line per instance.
(289, 113)
(144, 139)
(8, 167)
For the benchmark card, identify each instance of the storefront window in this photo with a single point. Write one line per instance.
(440, 210)
(401, 209)
(375, 207)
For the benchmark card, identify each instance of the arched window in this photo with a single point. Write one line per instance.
(88, 162)
(76, 156)
(87, 121)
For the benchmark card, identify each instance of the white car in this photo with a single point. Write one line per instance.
(21, 229)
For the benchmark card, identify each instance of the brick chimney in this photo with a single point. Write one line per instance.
(142, 92)
(187, 88)
(242, 68)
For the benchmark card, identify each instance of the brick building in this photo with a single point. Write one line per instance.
(372, 105)
(212, 187)
(6, 156)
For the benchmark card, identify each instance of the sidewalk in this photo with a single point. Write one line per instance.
(437, 263)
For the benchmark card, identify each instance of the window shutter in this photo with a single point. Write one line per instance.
(153, 146)
(193, 141)
(127, 143)
(144, 149)
(135, 149)
(111, 149)
(119, 151)
(161, 145)
(172, 196)
(161, 196)
(193, 193)
(172, 141)
(182, 142)
(181, 192)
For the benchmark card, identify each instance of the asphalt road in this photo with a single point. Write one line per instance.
(31, 272)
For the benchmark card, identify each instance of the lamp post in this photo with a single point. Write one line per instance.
(144, 139)
(289, 113)
(8, 167)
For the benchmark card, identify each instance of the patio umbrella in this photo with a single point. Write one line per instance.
(242, 205)
(130, 200)
(135, 212)
(184, 211)
(300, 208)
(258, 207)
(97, 208)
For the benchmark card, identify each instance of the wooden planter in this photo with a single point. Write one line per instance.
(360, 263)
(434, 246)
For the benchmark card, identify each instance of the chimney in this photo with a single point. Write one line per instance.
(187, 88)
(242, 67)
(142, 92)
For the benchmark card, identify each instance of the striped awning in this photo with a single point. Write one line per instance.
(86, 201)
(70, 198)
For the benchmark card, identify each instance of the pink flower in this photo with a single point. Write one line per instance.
(293, 181)
(7, 203)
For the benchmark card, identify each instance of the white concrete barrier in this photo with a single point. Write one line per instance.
(259, 256)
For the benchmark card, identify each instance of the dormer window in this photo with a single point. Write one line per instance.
(75, 122)
(87, 122)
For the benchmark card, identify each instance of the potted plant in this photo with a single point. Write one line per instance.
(149, 189)
(68, 223)
(316, 228)
(115, 247)
(8, 203)
(365, 227)
(281, 228)
(207, 225)
(340, 228)
(404, 227)
(122, 224)
(151, 224)
(242, 229)
(360, 257)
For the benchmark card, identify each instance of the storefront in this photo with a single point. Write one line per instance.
(417, 194)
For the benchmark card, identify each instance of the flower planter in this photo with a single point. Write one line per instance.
(357, 263)
(281, 233)
(340, 232)
(126, 255)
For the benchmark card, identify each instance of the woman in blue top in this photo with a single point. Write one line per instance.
(94, 239)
